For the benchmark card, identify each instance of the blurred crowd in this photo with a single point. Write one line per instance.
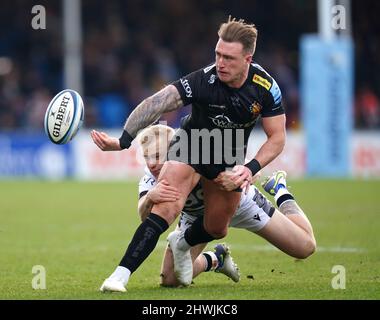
(133, 48)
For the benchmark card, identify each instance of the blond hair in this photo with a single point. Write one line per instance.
(155, 138)
(238, 31)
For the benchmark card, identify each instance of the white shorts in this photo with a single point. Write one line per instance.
(253, 214)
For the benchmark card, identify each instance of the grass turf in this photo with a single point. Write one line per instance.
(79, 231)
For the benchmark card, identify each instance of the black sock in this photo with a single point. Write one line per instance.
(283, 198)
(143, 241)
(197, 234)
(208, 261)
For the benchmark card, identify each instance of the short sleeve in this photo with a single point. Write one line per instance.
(272, 101)
(189, 86)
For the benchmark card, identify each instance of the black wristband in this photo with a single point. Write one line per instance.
(125, 140)
(254, 166)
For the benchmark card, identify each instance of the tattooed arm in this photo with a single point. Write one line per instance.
(151, 109)
(166, 100)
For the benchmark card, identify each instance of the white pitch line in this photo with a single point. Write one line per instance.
(268, 247)
(341, 249)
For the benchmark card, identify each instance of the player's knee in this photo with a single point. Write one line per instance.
(168, 211)
(173, 209)
(308, 249)
(312, 246)
(217, 232)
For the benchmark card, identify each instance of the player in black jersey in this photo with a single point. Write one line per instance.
(227, 98)
(255, 213)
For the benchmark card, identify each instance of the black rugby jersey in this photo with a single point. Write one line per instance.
(216, 105)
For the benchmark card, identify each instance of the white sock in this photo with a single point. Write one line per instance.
(121, 273)
(280, 193)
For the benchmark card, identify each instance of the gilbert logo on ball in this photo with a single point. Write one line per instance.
(64, 116)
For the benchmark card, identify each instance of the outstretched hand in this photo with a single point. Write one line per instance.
(105, 142)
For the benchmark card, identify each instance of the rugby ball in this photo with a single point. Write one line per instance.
(64, 116)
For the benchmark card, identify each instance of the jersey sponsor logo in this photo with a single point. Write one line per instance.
(261, 81)
(186, 86)
(221, 121)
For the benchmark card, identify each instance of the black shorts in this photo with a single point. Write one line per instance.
(206, 159)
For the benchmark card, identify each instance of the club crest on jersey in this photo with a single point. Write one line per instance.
(256, 108)
(261, 81)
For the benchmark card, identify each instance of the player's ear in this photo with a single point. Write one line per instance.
(248, 58)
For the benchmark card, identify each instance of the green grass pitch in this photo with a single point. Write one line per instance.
(79, 231)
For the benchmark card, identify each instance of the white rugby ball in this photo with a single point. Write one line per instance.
(64, 116)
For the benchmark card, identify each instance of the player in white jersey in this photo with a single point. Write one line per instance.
(255, 213)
